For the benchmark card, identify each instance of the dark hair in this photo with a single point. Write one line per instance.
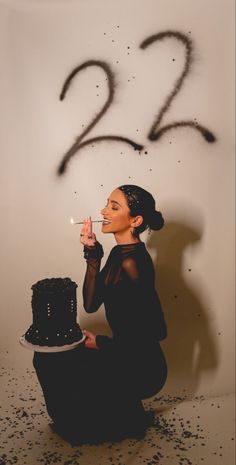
(141, 202)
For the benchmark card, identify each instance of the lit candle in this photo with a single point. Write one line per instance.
(81, 222)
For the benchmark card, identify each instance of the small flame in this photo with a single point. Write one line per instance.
(72, 220)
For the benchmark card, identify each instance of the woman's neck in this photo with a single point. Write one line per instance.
(126, 239)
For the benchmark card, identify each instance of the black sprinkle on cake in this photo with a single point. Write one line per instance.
(54, 307)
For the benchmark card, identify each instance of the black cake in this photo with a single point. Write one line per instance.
(54, 307)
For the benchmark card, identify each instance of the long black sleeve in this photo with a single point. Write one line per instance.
(93, 289)
(143, 319)
(134, 310)
(126, 285)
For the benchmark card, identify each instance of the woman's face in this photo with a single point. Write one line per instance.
(116, 214)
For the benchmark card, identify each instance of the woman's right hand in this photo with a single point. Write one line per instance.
(87, 237)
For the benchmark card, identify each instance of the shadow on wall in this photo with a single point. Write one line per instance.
(190, 347)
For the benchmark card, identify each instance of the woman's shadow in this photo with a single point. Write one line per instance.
(190, 347)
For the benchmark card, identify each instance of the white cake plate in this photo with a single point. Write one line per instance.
(28, 345)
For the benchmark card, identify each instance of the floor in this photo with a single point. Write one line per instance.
(186, 432)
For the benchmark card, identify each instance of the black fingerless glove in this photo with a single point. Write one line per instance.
(94, 252)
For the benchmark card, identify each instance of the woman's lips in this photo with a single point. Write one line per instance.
(106, 222)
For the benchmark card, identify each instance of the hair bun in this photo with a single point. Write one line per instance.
(156, 221)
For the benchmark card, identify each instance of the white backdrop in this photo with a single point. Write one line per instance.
(192, 179)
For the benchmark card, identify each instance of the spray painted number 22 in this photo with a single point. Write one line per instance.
(156, 131)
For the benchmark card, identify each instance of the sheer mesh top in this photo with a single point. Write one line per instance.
(126, 286)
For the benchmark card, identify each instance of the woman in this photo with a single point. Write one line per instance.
(115, 373)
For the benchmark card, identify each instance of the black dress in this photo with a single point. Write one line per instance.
(95, 395)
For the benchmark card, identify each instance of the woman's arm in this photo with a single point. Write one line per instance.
(140, 320)
(93, 286)
(93, 253)
(130, 303)
(144, 319)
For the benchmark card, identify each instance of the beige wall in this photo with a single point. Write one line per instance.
(193, 181)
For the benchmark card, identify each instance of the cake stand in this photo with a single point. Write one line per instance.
(48, 349)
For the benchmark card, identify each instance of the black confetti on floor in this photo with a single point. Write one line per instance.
(27, 438)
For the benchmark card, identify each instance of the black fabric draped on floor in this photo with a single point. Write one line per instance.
(94, 395)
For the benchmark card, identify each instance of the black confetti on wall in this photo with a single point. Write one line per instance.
(156, 131)
(78, 144)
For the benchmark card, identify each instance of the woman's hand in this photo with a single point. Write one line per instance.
(90, 341)
(87, 237)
